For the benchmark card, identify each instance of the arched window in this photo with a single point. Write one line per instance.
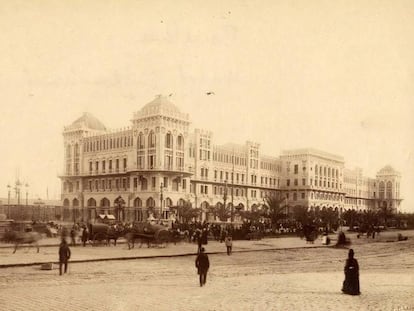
(68, 151)
(105, 202)
(66, 202)
(180, 142)
(144, 183)
(168, 141)
(137, 202)
(389, 190)
(381, 190)
(168, 202)
(151, 140)
(150, 202)
(75, 203)
(181, 202)
(91, 202)
(141, 141)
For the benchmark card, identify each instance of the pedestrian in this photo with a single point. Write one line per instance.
(73, 235)
(229, 245)
(64, 255)
(350, 285)
(202, 264)
(85, 236)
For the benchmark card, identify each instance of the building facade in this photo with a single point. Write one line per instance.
(157, 163)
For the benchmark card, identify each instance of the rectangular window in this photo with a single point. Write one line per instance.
(117, 184)
(153, 182)
(296, 182)
(125, 163)
(90, 167)
(215, 174)
(103, 166)
(165, 184)
(296, 168)
(110, 184)
(303, 195)
(221, 175)
(288, 182)
(110, 164)
(96, 166)
(135, 182)
(303, 181)
(124, 183)
(117, 164)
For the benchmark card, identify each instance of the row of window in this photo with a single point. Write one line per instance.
(103, 165)
(229, 158)
(69, 151)
(324, 183)
(326, 171)
(317, 196)
(106, 143)
(152, 139)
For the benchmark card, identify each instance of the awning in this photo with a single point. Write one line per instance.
(103, 216)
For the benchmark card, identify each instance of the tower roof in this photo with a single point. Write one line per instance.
(161, 106)
(89, 121)
(159, 103)
(387, 170)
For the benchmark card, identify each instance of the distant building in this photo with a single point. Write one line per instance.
(156, 163)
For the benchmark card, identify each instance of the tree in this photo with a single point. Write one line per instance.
(186, 212)
(274, 207)
(351, 217)
(252, 216)
(223, 212)
(385, 213)
(301, 215)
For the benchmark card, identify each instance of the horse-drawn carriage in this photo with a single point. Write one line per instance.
(101, 232)
(147, 233)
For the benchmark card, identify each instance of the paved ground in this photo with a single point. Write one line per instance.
(284, 279)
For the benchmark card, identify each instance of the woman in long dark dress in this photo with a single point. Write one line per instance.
(351, 283)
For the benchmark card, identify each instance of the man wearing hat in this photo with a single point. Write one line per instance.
(202, 264)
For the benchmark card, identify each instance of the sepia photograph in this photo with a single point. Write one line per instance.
(207, 155)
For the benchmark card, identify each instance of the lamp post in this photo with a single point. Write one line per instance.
(27, 193)
(161, 200)
(8, 201)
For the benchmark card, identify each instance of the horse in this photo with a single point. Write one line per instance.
(25, 238)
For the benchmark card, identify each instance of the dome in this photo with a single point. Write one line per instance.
(388, 170)
(161, 106)
(160, 103)
(89, 121)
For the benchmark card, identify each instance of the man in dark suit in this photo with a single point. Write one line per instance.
(202, 264)
(64, 255)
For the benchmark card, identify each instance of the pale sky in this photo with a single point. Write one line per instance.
(334, 75)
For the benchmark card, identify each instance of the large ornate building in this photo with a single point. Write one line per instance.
(157, 163)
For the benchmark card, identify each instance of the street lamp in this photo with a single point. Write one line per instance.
(8, 201)
(27, 192)
(161, 200)
(225, 194)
